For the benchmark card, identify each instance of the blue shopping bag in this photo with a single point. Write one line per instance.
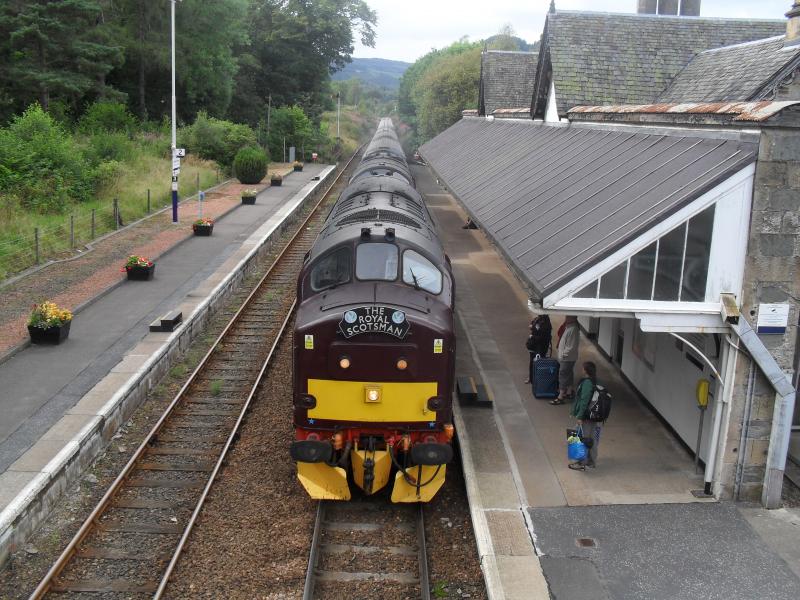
(576, 449)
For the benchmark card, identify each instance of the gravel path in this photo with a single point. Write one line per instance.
(74, 282)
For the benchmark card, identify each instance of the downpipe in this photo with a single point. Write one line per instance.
(728, 370)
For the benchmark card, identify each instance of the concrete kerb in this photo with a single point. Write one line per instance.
(32, 505)
(483, 539)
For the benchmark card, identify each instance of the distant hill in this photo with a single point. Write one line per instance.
(374, 71)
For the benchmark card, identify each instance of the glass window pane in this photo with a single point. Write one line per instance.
(670, 260)
(421, 273)
(698, 249)
(376, 261)
(612, 284)
(332, 269)
(640, 277)
(590, 291)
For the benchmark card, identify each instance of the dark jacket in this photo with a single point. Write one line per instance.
(582, 397)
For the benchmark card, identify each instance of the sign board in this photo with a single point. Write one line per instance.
(772, 318)
(374, 319)
(309, 342)
(180, 152)
(176, 163)
(292, 152)
(174, 178)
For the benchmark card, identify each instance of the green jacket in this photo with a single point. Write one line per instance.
(582, 397)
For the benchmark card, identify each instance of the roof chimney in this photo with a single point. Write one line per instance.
(647, 7)
(668, 7)
(793, 25)
(686, 8)
(690, 8)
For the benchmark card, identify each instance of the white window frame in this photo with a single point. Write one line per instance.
(733, 198)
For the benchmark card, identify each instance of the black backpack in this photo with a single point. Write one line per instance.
(600, 405)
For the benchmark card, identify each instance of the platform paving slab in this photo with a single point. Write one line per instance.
(35, 397)
(664, 551)
(57, 461)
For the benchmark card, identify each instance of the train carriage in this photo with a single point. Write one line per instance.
(374, 345)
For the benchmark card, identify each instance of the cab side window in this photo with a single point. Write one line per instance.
(332, 269)
(421, 273)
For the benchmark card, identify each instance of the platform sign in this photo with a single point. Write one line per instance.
(176, 163)
(772, 318)
(180, 152)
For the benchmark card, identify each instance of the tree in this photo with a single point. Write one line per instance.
(294, 46)
(446, 89)
(207, 35)
(55, 49)
(289, 124)
(416, 103)
(505, 39)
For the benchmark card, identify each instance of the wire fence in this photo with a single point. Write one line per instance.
(75, 231)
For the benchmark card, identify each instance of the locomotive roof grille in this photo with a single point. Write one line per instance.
(377, 215)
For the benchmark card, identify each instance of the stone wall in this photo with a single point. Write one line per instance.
(772, 274)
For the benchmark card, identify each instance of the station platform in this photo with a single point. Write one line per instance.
(544, 530)
(59, 403)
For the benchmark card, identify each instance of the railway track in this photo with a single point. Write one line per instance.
(367, 540)
(132, 540)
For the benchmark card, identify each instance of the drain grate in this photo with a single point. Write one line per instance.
(586, 542)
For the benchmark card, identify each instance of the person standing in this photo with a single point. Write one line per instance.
(567, 357)
(540, 333)
(580, 411)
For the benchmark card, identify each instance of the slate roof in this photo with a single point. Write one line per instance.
(740, 72)
(506, 79)
(558, 199)
(605, 58)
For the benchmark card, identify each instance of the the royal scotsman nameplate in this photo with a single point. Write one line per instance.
(374, 319)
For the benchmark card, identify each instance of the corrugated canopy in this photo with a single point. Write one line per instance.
(558, 199)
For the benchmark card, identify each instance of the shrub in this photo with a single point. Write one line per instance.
(103, 117)
(109, 146)
(215, 139)
(250, 165)
(41, 164)
(107, 172)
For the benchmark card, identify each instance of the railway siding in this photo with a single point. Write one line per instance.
(84, 431)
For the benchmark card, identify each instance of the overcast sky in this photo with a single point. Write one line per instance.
(407, 29)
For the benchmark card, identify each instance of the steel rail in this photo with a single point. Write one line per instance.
(69, 552)
(313, 556)
(424, 580)
(314, 552)
(162, 586)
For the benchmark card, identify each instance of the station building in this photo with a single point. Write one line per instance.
(664, 213)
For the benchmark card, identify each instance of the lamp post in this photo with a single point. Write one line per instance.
(176, 162)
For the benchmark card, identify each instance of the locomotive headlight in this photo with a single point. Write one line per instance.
(402, 364)
(372, 394)
(398, 317)
(344, 362)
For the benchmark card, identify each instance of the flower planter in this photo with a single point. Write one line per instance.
(140, 273)
(298, 167)
(51, 335)
(203, 230)
(275, 182)
(248, 199)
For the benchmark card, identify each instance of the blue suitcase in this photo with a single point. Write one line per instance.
(544, 379)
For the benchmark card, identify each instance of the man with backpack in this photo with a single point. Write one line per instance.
(591, 408)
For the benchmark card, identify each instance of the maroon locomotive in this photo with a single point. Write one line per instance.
(374, 345)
